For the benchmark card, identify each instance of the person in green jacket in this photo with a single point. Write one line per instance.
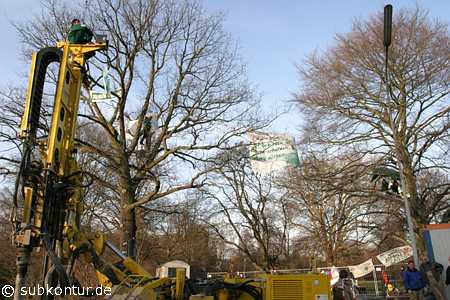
(79, 33)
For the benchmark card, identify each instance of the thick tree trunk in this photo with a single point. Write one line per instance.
(129, 230)
(409, 185)
(329, 256)
(128, 216)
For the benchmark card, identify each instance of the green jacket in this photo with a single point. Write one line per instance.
(80, 34)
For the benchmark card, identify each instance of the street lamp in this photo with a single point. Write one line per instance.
(405, 197)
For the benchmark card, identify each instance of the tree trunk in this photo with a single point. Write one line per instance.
(410, 191)
(129, 230)
(128, 216)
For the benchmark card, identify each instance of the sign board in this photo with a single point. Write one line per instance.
(271, 152)
(362, 269)
(394, 256)
(97, 96)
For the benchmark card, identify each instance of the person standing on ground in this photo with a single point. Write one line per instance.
(344, 289)
(413, 281)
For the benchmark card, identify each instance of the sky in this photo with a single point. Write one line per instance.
(273, 36)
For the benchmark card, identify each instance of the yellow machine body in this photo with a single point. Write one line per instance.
(289, 286)
(301, 287)
(201, 297)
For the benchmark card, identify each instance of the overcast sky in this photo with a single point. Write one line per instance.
(273, 37)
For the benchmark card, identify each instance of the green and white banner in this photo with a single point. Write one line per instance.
(271, 152)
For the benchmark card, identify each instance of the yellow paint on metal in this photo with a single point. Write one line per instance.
(134, 267)
(26, 113)
(288, 286)
(65, 108)
(223, 295)
(27, 204)
(179, 283)
(201, 297)
(296, 287)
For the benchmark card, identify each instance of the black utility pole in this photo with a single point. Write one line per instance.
(387, 43)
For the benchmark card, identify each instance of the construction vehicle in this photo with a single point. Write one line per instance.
(48, 204)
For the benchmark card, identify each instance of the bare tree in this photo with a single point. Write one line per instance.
(179, 81)
(182, 235)
(249, 215)
(433, 191)
(344, 97)
(332, 204)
